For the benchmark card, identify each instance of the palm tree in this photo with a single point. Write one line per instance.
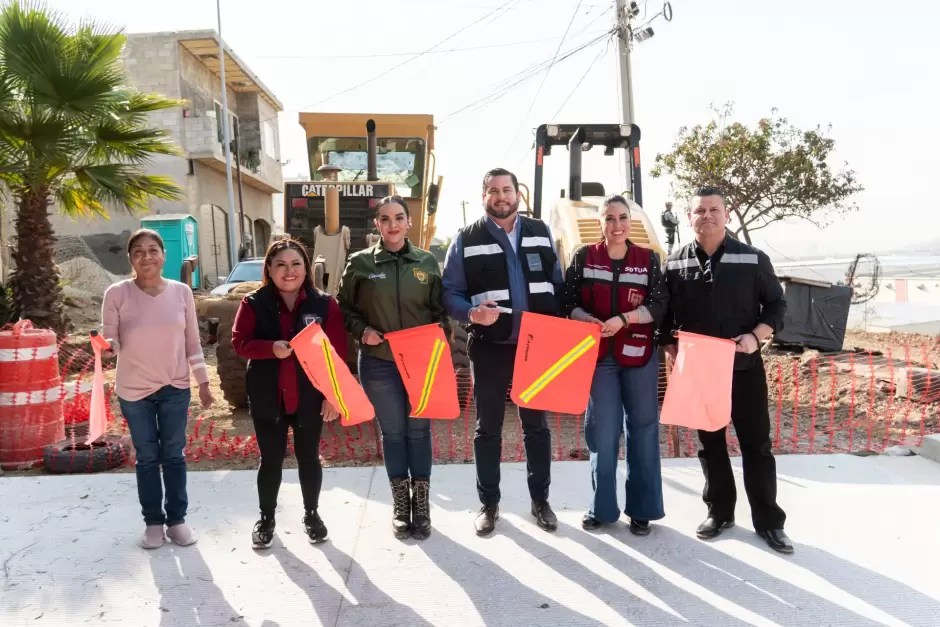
(73, 136)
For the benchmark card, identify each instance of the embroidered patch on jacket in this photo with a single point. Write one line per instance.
(634, 297)
(421, 275)
(309, 319)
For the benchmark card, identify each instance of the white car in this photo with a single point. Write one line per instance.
(247, 270)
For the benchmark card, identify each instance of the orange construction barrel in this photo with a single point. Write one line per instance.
(30, 395)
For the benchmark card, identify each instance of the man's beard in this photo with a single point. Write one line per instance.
(502, 213)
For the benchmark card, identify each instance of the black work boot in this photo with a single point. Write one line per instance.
(485, 522)
(401, 504)
(420, 508)
(313, 525)
(262, 536)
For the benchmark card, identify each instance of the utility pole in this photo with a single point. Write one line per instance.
(463, 205)
(226, 143)
(626, 72)
(623, 18)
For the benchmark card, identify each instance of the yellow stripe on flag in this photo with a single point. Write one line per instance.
(430, 375)
(557, 368)
(331, 368)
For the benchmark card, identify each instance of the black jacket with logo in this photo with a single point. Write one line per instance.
(487, 273)
(724, 296)
(261, 378)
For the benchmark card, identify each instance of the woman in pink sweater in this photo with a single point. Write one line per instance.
(151, 325)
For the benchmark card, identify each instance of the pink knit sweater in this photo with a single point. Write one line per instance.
(158, 338)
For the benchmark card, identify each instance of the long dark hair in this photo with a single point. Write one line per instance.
(279, 246)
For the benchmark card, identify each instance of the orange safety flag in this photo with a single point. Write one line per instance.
(426, 367)
(97, 415)
(555, 362)
(331, 376)
(699, 392)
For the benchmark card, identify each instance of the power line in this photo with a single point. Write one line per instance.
(581, 80)
(407, 61)
(414, 58)
(574, 14)
(404, 54)
(526, 75)
(555, 116)
(501, 83)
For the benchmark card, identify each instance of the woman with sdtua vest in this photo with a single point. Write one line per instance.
(280, 395)
(619, 286)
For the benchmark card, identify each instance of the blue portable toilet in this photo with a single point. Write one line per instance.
(180, 233)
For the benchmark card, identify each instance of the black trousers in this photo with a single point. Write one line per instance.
(272, 442)
(492, 368)
(751, 421)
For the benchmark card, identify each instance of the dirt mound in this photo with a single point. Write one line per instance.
(84, 282)
(87, 276)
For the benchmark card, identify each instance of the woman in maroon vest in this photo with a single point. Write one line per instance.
(619, 286)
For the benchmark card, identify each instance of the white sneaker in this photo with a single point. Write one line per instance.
(181, 534)
(152, 538)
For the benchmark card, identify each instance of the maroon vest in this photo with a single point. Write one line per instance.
(606, 294)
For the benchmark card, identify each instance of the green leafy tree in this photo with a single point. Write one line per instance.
(771, 172)
(73, 135)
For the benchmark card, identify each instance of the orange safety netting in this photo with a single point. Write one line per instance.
(855, 400)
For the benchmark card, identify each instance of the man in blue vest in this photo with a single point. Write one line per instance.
(503, 262)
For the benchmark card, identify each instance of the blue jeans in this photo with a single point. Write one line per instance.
(625, 398)
(406, 441)
(158, 429)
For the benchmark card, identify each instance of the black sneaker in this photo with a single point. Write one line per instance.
(262, 536)
(313, 525)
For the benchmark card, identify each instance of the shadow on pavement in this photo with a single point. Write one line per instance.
(758, 591)
(499, 596)
(188, 594)
(338, 611)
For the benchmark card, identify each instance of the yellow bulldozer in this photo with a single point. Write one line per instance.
(354, 160)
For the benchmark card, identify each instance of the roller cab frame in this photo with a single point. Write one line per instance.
(582, 138)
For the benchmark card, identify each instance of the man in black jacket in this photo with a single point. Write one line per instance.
(723, 288)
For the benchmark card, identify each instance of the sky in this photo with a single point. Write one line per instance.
(846, 63)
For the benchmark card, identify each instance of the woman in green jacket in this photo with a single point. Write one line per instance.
(389, 287)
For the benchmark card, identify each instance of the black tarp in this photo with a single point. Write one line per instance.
(816, 315)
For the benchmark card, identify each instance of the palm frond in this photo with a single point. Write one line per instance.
(74, 74)
(69, 122)
(125, 186)
(120, 142)
(77, 200)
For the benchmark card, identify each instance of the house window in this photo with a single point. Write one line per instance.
(270, 147)
(220, 131)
